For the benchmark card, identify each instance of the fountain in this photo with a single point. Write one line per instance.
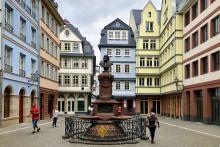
(105, 125)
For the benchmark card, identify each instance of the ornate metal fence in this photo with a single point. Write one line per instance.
(105, 131)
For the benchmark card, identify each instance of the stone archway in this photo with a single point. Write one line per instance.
(7, 99)
(21, 105)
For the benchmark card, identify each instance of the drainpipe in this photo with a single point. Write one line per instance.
(1, 64)
(39, 59)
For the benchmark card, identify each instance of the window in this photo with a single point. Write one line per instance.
(55, 52)
(117, 52)
(142, 61)
(156, 62)
(67, 46)
(81, 105)
(33, 5)
(51, 48)
(145, 44)
(149, 62)
(117, 35)
(42, 40)
(118, 68)
(149, 82)
(195, 10)
(124, 35)
(141, 81)
(157, 82)
(204, 4)
(8, 51)
(22, 29)
(33, 66)
(118, 85)
(84, 81)
(127, 85)
(187, 44)
(127, 68)
(215, 26)
(187, 18)
(153, 44)
(67, 80)
(109, 52)
(60, 80)
(110, 35)
(8, 15)
(195, 69)
(43, 13)
(149, 14)
(48, 45)
(67, 63)
(204, 33)
(127, 52)
(187, 69)
(75, 80)
(48, 18)
(75, 46)
(195, 39)
(75, 63)
(204, 65)
(84, 63)
(215, 61)
(149, 26)
(22, 62)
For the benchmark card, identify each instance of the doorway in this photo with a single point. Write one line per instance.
(156, 105)
(21, 106)
(144, 107)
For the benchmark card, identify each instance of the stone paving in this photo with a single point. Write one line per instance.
(172, 133)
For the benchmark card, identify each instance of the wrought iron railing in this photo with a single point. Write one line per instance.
(8, 68)
(22, 72)
(26, 8)
(130, 130)
(22, 37)
(8, 27)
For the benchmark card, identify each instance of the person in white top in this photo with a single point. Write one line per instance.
(90, 109)
(55, 117)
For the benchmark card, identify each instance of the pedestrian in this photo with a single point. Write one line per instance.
(35, 117)
(55, 117)
(152, 119)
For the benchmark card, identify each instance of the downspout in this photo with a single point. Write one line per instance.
(1, 64)
(39, 58)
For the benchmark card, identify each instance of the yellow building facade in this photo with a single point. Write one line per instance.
(159, 58)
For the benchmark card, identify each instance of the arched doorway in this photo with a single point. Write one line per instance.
(7, 96)
(21, 105)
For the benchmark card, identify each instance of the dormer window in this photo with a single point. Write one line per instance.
(75, 46)
(124, 35)
(118, 24)
(149, 14)
(67, 33)
(117, 35)
(110, 35)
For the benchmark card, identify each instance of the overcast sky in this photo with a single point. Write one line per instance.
(91, 16)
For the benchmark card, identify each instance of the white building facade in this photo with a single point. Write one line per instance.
(77, 62)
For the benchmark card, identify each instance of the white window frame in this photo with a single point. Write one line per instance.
(127, 70)
(117, 52)
(117, 85)
(149, 26)
(127, 53)
(110, 35)
(127, 85)
(109, 51)
(117, 68)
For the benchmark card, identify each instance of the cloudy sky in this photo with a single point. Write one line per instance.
(90, 16)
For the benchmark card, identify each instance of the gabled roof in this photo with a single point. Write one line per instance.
(112, 25)
(137, 16)
(86, 45)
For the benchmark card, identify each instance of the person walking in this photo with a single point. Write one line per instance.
(55, 117)
(152, 119)
(35, 117)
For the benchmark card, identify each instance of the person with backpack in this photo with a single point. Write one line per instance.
(152, 119)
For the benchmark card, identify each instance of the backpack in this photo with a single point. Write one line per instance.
(152, 119)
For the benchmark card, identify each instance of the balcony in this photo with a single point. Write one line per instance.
(22, 37)
(8, 68)
(8, 27)
(33, 44)
(21, 72)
